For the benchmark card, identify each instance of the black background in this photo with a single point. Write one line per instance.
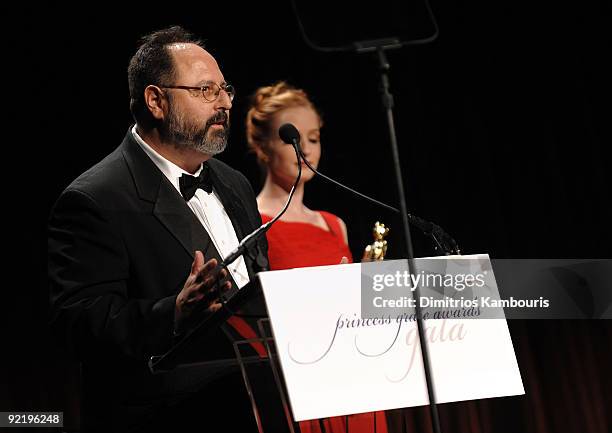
(503, 126)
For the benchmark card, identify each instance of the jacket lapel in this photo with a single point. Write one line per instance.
(237, 214)
(152, 186)
(172, 211)
(231, 203)
(170, 208)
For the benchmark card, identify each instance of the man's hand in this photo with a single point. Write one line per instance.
(202, 289)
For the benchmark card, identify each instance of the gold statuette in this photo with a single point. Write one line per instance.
(376, 251)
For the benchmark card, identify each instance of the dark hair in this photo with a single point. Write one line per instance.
(152, 64)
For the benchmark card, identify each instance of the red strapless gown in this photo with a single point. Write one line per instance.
(299, 245)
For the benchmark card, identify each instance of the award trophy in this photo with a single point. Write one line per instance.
(376, 251)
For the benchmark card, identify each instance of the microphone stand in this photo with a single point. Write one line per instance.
(380, 46)
(440, 238)
(388, 103)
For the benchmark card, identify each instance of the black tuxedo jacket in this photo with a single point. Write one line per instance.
(121, 245)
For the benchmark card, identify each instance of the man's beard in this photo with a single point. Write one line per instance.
(184, 133)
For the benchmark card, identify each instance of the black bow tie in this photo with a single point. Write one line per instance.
(189, 184)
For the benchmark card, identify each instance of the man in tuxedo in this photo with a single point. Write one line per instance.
(134, 244)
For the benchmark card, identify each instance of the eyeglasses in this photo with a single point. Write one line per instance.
(209, 91)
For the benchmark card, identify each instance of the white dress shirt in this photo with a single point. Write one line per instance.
(208, 209)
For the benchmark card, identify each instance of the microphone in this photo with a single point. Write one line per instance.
(290, 135)
(442, 240)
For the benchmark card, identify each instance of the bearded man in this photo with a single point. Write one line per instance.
(135, 240)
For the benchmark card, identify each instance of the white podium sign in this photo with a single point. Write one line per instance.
(335, 363)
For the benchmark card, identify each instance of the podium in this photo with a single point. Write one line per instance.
(326, 360)
(265, 385)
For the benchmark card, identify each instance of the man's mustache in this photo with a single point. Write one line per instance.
(219, 117)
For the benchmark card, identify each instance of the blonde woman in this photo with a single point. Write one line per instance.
(302, 237)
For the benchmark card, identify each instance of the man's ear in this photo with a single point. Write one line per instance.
(155, 101)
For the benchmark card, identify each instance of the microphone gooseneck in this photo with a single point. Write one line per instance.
(442, 240)
(290, 135)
